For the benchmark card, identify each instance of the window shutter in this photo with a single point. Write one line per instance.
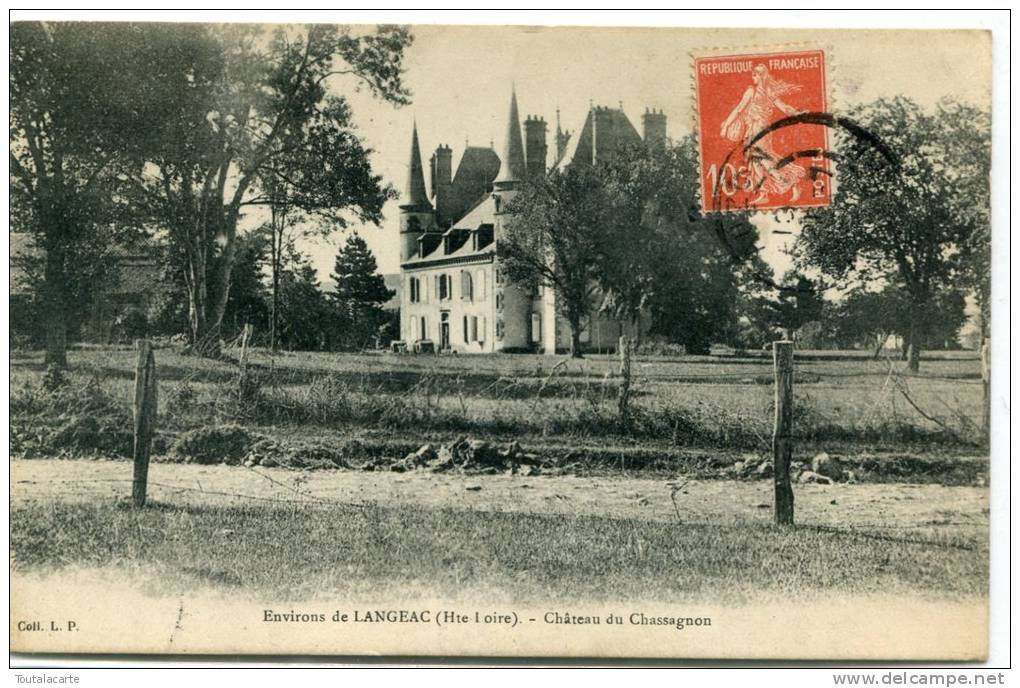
(465, 329)
(482, 330)
(481, 285)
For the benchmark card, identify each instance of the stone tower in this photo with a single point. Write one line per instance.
(535, 147)
(416, 213)
(441, 168)
(515, 302)
(654, 124)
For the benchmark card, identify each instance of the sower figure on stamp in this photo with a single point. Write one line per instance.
(751, 116)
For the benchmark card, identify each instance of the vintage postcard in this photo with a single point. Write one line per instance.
(499, 341)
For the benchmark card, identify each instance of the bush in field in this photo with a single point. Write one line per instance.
(214, 444)
(57, 417)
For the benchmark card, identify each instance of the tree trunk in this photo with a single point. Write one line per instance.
(275, 306)
(575, 337)
(55, 306)
(623, 397)
(882, 339)
(914, 345)
(205, 341)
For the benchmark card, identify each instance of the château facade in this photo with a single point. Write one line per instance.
(454, 294)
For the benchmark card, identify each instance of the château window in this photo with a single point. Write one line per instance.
(536, 327)
(480, 285)
(499, 301)
(473, 330)
(466, 291)
(445, 287)
(415, 289)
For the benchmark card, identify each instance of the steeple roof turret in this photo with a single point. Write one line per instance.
(414, 192)
(512, 163)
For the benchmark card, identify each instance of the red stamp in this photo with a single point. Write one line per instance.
(759, 147)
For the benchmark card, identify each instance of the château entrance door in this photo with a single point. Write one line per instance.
(444, 330)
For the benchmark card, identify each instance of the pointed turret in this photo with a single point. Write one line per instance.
(416, 214)
(512, 169)
(414, 193)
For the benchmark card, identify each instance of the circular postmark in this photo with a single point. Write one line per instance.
(730, 218)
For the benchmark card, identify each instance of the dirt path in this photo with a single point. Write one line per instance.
(921, 509)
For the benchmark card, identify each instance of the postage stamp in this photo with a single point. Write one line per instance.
(759, 148)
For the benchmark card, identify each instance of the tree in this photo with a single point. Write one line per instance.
(871, 317)
(248, 300)
(359, 294)
(558, 238)
(254, 106)
(82, 105)
(911, 213)
(306, 317)
(792, 306)
(665, 257)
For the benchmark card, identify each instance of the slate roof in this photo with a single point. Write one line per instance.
(606, 130)
(476, 171)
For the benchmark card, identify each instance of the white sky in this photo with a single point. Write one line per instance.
(461, 79)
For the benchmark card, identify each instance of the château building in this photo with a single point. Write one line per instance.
(454, 294)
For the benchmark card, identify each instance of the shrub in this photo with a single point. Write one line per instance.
(60, 418)
(214, 444)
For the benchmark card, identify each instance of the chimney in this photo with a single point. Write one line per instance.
(654, 124)
(535, 146)
(441, 166)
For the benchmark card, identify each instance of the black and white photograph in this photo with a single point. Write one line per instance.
(520, 341)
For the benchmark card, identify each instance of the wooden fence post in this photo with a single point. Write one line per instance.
(623, 400)
(986, 389)
(782, 440)
(246, 333)
(145, 418)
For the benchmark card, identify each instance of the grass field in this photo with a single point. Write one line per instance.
(292, 553)
(845, 402)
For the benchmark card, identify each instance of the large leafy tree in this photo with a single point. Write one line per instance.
(871, 317)
(84, 99)
(664, 257)
(359, 294)
(257, 124)
(921, 215)
(558, 237)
